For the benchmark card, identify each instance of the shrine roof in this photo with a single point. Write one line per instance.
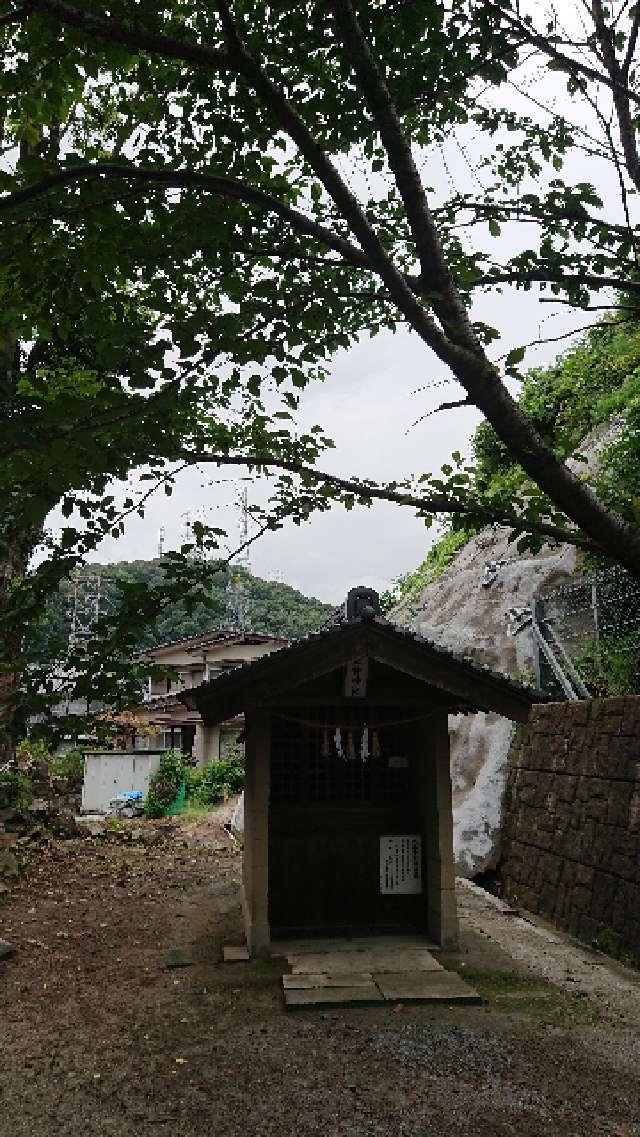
(467, 685)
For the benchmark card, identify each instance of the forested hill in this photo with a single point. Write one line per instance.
(270, 606)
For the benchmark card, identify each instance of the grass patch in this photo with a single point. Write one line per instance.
(612, 944)
(515, 992)
(194, 810)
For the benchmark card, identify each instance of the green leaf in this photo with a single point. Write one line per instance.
(516, 355)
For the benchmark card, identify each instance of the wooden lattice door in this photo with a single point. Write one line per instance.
(332, 799)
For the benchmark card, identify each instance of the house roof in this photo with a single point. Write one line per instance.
(214, 638)
(471, 686)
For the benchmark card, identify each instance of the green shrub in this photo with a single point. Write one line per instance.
(32, 750)
(205, 784)
(68, 765)
(409, 587)
(15, 787)
(164, 785)
(610, 665)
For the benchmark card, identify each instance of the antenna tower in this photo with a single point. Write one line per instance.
(237, 592)
(84, 608)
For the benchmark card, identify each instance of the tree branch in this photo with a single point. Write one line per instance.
(470, 364)
(631, 46)
(438, 503)
(189, 179)
(621, 93)
(589, 281)
(565, 62)
(130, 35)
(434, 270)
(14, 16)
(548, 213)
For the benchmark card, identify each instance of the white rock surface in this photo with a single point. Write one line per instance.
(458, 612)
(237, 817)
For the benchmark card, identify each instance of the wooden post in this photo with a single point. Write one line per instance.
(448, 915)
(255, 873)
(434, 795)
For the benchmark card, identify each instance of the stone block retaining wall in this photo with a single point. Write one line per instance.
(571, 840)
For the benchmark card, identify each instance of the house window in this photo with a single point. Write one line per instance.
(167, 743)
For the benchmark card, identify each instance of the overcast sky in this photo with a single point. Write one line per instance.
(367, 405)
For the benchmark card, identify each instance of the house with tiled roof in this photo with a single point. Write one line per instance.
(164, 719)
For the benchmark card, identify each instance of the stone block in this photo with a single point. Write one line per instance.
(567, 787)
(582, 789)
(597, 788)
(625, 843)
(603, 895)
(631, 717)
(611, 724)
(597, 809)
(597, 710)
(580, 711)
(551, 868)
(587, 928)
(543, 838)
(548, 896)
(557, 910)
(619, 750)
(621, 866)
(620, 801)
(578, 901)
(571, 847)
(634, 811)
(584, 875)
(619, 704)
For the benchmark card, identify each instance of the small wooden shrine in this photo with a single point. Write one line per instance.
(347, 812)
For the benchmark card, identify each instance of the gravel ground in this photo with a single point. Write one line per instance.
(100, 1038)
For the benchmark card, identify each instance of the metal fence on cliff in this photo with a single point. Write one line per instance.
(595, 621)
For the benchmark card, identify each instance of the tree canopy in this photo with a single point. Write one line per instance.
(200, 203)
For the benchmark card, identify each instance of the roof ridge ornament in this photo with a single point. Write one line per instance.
(362, 603)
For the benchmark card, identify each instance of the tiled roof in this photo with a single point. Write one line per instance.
(253, 670)
(214, 637)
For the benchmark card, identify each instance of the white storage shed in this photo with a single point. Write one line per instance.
(108, 773)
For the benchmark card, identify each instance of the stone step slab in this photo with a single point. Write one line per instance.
(342, 962)
(311, 982)
(331, 996)
(425, 987)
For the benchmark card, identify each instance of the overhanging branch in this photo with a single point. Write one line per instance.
(434, 504)
(541, 276)
(564, 62)
(190, 179)
(131, 35)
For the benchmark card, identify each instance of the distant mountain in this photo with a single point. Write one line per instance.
(268, 605)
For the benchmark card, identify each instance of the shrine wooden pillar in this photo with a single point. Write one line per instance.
(255, 866)
(433, 779)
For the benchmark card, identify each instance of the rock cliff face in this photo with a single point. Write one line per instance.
(460, 612)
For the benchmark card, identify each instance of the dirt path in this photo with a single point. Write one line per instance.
(614, 989)
(100, 1038)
